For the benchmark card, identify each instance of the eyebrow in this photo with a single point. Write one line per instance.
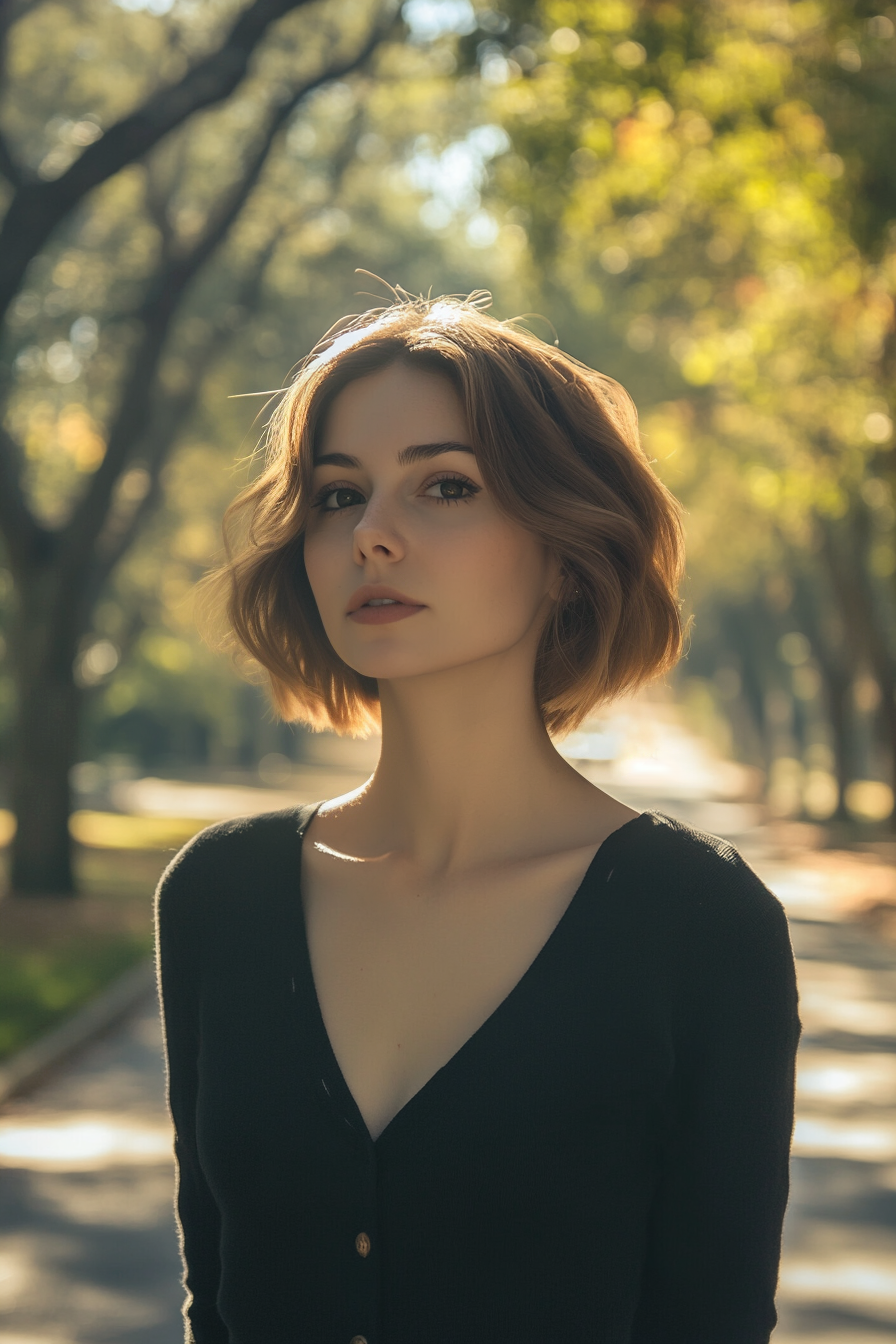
(417, 452)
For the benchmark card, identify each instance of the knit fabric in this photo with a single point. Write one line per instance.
(604, 1161)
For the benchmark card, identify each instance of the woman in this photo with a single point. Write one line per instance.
(475, 1054)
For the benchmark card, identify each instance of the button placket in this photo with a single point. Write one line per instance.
(364, 1252)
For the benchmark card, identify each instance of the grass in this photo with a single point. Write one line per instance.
(39, 986)
(56, 953)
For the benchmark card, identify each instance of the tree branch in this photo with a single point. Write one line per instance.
(24, 536)
(10, 169)
(135, 407)
(169, 415)
(38, 207)
(157, 208)
(224, 217)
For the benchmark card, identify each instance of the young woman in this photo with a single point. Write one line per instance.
(476, 1054)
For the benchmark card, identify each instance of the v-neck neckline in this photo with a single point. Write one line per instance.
(600, 855)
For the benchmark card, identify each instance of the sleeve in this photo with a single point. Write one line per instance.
(711, 1266)
(179, 928)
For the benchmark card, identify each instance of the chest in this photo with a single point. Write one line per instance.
(537, 1138)
(404, 976)
(579, 1041)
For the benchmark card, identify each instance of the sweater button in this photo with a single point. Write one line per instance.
(362, 1246)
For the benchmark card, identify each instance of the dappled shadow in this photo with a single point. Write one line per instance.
(88, 1249)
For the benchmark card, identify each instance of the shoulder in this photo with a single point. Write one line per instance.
(700, 880)
(228, 855)
(712, 930)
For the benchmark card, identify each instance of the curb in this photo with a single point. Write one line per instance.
(134, 985)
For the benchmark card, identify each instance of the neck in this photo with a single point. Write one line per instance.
(464, 751)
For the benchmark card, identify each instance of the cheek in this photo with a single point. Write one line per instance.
(323, 553)
(501, 569)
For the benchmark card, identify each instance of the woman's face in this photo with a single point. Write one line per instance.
(413, 567)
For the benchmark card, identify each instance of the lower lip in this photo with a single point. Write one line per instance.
(392, 611)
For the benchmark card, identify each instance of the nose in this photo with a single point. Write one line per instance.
(377, 535)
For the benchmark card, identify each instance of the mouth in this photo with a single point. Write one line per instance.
(381, 606)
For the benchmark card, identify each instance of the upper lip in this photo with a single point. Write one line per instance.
(371, 590)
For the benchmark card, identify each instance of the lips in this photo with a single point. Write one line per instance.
(376, 595)
(375, 604)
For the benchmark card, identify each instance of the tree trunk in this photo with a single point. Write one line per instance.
(740, 633)
(44, 745)
(835, 657)
(837, 692)
(848, 573)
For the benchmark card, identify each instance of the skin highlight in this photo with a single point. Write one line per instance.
(430, 890)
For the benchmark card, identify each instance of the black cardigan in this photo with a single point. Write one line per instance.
(603, 1162)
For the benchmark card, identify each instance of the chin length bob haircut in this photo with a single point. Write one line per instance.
(558, 447)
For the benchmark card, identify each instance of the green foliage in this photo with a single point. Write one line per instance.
(708, 192)
(41, 985)
(684, 199)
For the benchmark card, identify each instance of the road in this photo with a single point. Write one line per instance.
(87, 1242)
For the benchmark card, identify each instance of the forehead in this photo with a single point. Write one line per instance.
(391, 409)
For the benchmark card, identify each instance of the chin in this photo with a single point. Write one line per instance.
(387, 667)
(401, 664)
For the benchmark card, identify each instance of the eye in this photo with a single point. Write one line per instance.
(451, 489)
(335, 499)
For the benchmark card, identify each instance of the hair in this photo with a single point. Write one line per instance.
(558, 447)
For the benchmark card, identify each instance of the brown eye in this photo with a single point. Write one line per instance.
(451, 490)
(334, 501)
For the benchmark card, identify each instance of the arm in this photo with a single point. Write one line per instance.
(712, 1260)
(179, 921)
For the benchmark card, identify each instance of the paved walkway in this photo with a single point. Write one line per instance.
(87, 1240)
(87, 1243)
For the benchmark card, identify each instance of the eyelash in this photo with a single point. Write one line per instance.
(333, 486)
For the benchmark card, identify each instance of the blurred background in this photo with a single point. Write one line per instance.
(697, 198)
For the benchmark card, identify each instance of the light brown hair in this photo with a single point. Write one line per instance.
(558, 447)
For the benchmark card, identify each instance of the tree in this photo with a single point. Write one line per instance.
(98, 190)
(708, 192)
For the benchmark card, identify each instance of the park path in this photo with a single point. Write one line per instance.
(87, 1243)
(88, 1251)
